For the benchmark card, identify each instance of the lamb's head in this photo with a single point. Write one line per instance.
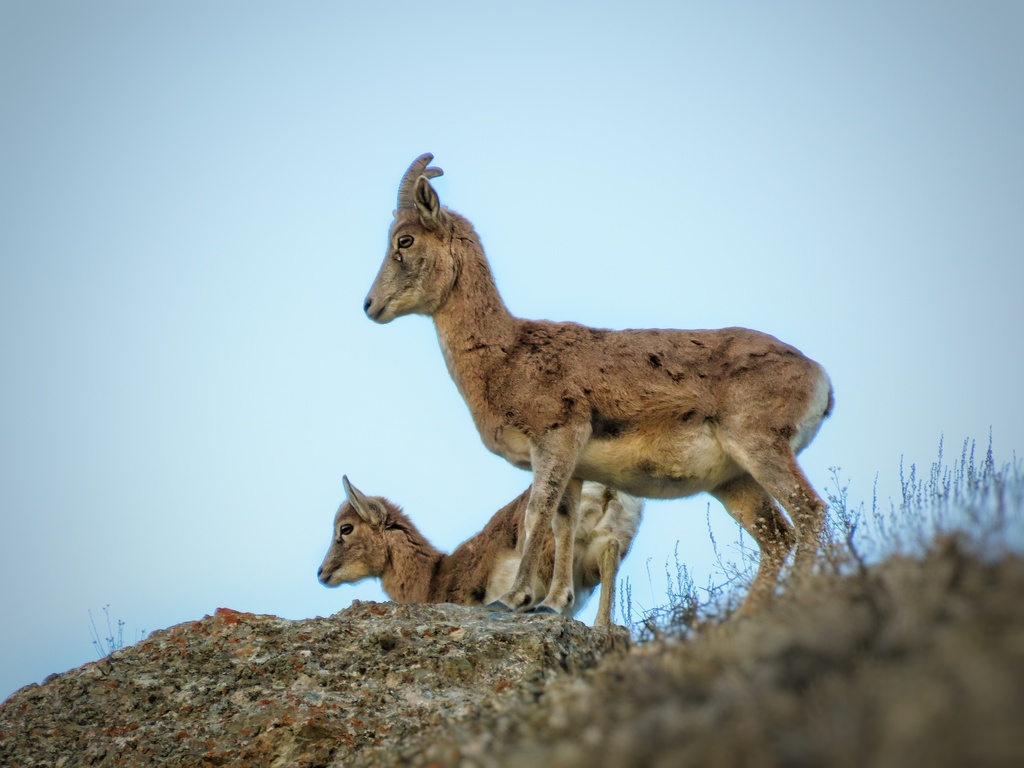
(419, 267)
(357, 551)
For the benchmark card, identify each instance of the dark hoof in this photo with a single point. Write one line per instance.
(497, 605)
(546, 609)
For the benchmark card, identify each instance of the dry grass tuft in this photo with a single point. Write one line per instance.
(904, 647)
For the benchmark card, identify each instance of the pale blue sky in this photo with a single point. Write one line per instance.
(194, 199)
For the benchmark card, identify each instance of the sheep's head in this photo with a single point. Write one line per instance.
(419, 268)
(357, 551)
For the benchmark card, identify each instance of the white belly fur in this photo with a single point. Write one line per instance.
(661, 468)
(666, 467)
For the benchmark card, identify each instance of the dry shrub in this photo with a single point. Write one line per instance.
(905, 646)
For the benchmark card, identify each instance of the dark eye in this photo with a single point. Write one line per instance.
(346, 529)
(405, 241)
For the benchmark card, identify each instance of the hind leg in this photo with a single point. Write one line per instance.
(752, 507)
(774, 467)
(805, 508)
(609, 559)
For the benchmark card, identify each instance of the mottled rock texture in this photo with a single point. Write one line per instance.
(241, 689)
(918, 661)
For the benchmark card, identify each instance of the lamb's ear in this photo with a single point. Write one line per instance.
(364, 507)
(427, 204)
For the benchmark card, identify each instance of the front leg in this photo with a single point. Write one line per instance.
(553, 467)
(566, 520)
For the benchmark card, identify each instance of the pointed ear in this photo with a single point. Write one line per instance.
(428, 204)
(363, 506)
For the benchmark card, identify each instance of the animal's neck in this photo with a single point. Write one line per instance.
(412, 567)
(474, 327)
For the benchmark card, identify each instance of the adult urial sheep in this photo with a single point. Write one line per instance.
(654, 413)
(374, 539)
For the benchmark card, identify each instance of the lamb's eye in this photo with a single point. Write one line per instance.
(346, 529)
(405, 241)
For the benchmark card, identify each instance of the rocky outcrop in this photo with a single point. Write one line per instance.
(917, 661)
(241, 689)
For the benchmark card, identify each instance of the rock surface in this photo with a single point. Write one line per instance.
(913, 662)
(241, 689)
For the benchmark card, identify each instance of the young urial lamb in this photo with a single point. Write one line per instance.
(654, 413)
(374, 539)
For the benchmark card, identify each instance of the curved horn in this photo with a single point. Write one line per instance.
(417, 169)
